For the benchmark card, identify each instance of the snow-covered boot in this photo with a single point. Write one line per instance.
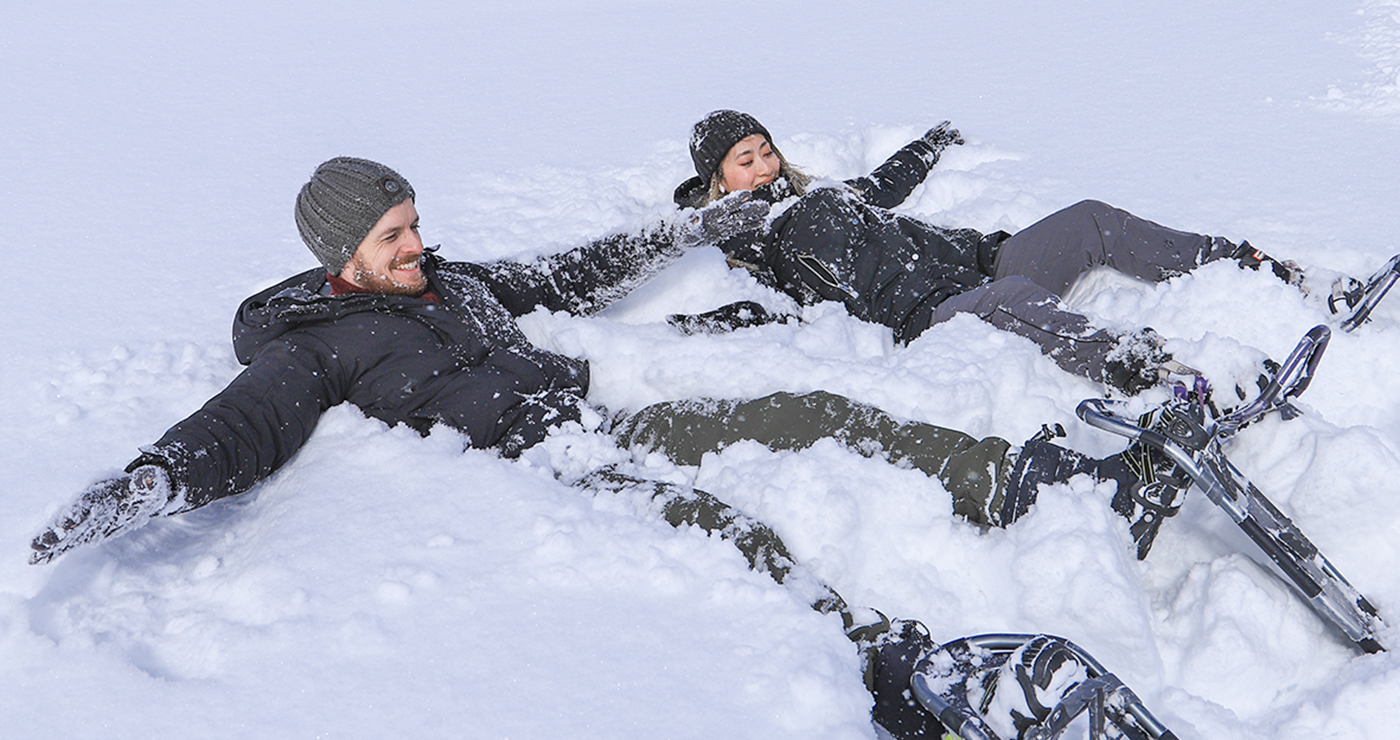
(1148, 482)
(1344, 292)
(1038, 462)
(889, 664)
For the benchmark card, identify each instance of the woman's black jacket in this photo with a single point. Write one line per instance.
(840, 242)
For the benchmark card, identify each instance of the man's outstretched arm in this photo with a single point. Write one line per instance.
(242, 435)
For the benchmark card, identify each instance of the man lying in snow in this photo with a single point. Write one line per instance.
(411, 338)
(838, 241)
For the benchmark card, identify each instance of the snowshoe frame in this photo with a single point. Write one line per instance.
(1194, 442)
(1102, 695)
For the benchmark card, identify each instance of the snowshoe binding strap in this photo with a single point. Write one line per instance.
(1154, 498)
(1346, 293)
(995, 686)
(1147, 506)
(1364, 300)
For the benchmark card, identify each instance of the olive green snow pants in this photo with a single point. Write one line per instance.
(889, 648)
(974, 471)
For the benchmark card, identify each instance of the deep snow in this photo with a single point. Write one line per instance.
(386, 585)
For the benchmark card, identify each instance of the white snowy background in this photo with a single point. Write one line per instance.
(385, 585)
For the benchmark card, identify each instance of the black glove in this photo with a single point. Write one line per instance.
(941, 137)
(106, 509)
(1137, 362)
(737, 315)
(727, 217)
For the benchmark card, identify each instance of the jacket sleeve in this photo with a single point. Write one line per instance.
(583, 280)
(894, 180)
(251, 428)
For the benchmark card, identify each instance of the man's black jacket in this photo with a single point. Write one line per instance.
(462, 362)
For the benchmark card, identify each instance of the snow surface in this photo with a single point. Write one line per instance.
(385, 585)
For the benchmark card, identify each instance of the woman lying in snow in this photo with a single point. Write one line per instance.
(838, 241)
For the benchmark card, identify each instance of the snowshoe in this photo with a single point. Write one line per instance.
(1193, 441)
(990, 687)
(1361, 298)
(1348, 296)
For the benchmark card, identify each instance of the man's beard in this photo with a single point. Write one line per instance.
(370, 279)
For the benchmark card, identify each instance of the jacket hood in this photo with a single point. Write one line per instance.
(277, 310)
(301, 300)
(690, 193)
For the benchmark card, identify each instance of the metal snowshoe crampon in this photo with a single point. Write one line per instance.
(1033, 687)
(1193, 440)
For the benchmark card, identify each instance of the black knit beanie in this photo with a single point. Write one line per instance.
(716, 134)
(345, 198)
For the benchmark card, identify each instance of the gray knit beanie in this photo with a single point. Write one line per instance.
(345, 198)
(716, 134)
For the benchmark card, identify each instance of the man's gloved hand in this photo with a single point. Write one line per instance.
(731, 215)
(105, 509)
(941, 137)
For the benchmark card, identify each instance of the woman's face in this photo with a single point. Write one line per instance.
(749, 164)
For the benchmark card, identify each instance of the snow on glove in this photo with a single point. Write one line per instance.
(1138, 361)
(725, 218)
(727, 318)
(941, 137)
(106, 509)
